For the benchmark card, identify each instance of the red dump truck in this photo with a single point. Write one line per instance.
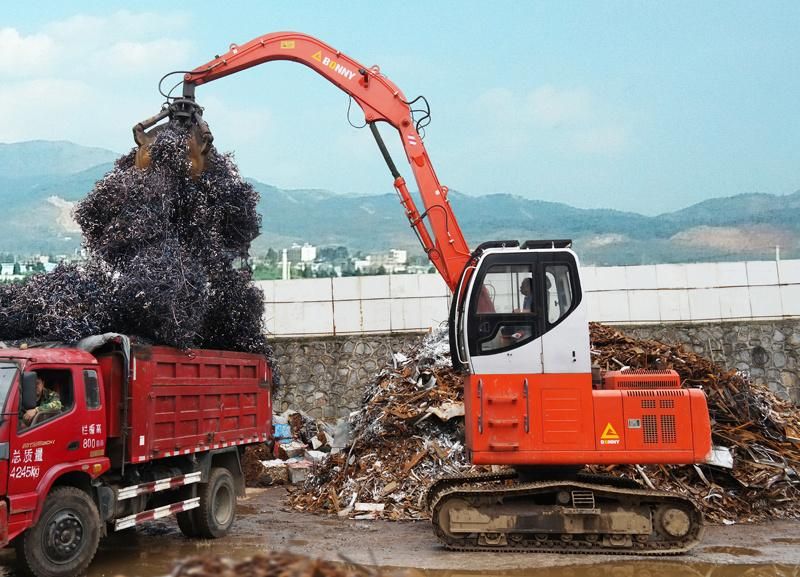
(142, 432)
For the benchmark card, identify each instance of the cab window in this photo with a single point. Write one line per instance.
(505, 308)
(559, 292)
(56, 397)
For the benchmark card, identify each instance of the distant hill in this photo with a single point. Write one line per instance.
(37, 158)
(37, 193)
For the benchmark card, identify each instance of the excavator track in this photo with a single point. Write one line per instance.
(481, 513)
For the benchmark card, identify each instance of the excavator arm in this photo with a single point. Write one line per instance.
(380, 100)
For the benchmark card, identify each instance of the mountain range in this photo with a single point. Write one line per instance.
(41, 180)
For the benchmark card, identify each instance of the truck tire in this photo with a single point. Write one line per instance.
(187, 523)
(64, 540)
(217, 504)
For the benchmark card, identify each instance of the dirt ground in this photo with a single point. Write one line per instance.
(412, 544)
(265, 523)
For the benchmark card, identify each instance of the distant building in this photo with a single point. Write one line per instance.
(398, 256)
(305, 253)
(394, 261)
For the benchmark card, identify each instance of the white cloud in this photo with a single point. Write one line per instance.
(82, 46)
(85, 78)
(96, 30)
(124, 58)
(25, 55)
(43, 108)
(602, 140)
(551, 106)
(239, 126)
(568, 118)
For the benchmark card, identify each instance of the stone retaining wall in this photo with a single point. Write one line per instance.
(326, 376)
(768, 350)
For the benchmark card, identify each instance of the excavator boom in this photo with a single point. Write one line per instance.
(381, 101)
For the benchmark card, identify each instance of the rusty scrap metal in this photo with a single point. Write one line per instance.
(396, 454)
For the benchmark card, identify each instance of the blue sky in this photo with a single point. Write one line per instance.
(642, 106)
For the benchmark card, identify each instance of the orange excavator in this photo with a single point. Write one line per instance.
(518, 328)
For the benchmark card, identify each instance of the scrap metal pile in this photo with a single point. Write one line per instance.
(405, 437)
(761, 431)
(408, 433)
(165, 255)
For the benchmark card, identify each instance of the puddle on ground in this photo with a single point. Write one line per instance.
(618, 569)
(151, 553)
(737, 551)
(790, 540)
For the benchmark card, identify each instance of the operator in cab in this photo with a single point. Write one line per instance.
(47, 400)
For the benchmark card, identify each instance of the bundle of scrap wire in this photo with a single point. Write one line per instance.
(168, 259)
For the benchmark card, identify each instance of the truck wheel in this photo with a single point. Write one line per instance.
(64, 540)
(217, 504)
(187, 523)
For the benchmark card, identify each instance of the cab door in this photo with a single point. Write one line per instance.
(75, 433)
(503, 326)
(565, 339)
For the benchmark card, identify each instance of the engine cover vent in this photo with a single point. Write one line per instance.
(639, 379)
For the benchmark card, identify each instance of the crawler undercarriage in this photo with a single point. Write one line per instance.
(590, 514)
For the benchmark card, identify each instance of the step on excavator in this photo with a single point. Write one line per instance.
(519, 329)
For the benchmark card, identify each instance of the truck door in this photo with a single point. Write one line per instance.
(74, 432)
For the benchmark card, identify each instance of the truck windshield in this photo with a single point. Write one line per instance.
(8, 373)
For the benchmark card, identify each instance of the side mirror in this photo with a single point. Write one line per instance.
(29, 400)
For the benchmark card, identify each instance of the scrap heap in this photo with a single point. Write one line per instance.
(761, 431)
(408, 433)
(166, 256)
(400, 445)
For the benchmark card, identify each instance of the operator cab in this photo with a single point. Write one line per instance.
(520, 310)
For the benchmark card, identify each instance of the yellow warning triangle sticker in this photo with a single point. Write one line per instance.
(609, 433)
(317, 56)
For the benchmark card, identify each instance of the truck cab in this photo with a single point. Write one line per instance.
(66, 444)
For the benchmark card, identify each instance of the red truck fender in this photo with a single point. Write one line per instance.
(27, 502)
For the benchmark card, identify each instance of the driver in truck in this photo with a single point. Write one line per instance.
(48, 400)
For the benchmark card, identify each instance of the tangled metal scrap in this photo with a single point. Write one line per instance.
(166, 254)
(400, 447)
(761, 431)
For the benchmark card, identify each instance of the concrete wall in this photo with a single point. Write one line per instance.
(331, 335)
(326, 376)
(664, 293)
(354, 305)
(695, 293)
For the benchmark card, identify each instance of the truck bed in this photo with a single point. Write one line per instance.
(180, 402)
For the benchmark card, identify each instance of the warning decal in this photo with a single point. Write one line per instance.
(609, 436)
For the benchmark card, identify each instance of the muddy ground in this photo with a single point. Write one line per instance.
(265, 523)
